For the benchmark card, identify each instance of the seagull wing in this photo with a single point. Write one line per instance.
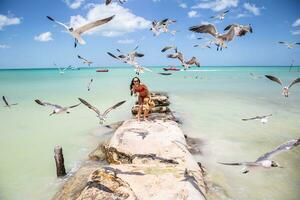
(62, 24)
(93, 24)
(280, 42)
(4, 99)
(226, 11)
(173, 55)
(275, 79)
(206, 28)
(167, 48)
(113, 107)
(112, 55)
(284, 147)
(107, 2)
(74, 105)
(239, 163)
(229, 26)
(80, 57)
(89, 105)
(294, 82)
(252, 118)
(193, 61)
(297, 43)
(47, 104)
(230, 34)
(136, 54)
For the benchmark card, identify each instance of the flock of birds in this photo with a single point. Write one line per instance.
(221, 41)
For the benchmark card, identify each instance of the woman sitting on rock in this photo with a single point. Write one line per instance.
(140, 90)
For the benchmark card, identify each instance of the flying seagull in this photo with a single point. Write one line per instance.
(89, 84)
(162, 26)
(186, 64)
(264, 161)
(289, 45)
(221, 39)
(107, 2)
(102, 117)
(220, 16)
(85, 61)
(285, 90)
(76, 33)
(7, 104)
(62, 70)
(263, 119)
(130, 58)
(57, 109)
(164, 73)
(254, 76)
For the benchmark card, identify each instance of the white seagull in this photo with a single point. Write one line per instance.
(264, 161)
(285, 90)
(76, 33)
(186, 64)
(220, 16)
(263, 119)
(102, 117)
(7, 104)
(221, 39)
(85, 61)
(162, 26)
(130, 59)
(57, 109)
(289, 45)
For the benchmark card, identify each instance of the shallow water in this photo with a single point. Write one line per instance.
(211, 106)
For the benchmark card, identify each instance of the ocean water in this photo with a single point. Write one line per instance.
(210, 101)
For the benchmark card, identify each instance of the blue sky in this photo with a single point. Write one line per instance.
(23, 22)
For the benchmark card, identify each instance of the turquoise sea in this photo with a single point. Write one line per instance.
(211, 107)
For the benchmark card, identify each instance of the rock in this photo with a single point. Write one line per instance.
(74, 185)
(97, 154)
(193, 145)
(115, 125)
(158, 109)
(148, 160)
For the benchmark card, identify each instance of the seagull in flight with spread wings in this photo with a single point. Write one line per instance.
(76, 33)
(285, 89)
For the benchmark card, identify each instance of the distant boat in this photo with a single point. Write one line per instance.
(102, 70)
(171, 69)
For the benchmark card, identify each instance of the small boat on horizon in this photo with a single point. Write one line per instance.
(102, 70)
(171, 69)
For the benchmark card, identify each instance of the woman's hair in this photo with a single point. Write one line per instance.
(132, 83)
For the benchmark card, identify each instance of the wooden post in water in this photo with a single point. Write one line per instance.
(59, 161)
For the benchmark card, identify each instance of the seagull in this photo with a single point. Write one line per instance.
(62, 71)
(85, 61)
(285, 90)
(7, 104)
(264, 161)
(57, 109)
(168, 47)
(89, 84)
(254, 76)
(103, 116)
(164, 74)
(76, 33)
(186, 64)
(263, 119)
(130, 58)
(202, 46)
(221, 39)
(289, 45)
(107, 2)
(162, 27)
(220, 16)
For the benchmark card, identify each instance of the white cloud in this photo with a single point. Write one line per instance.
(193, 13)
(44, 37)
(4, 46)
(126, 41)
(252, 8)
(297, 32)
(7, 21)
(241, 15)
(74, 4)
(216, 5)
(124, 21)
(183, 5)
(296, 23)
